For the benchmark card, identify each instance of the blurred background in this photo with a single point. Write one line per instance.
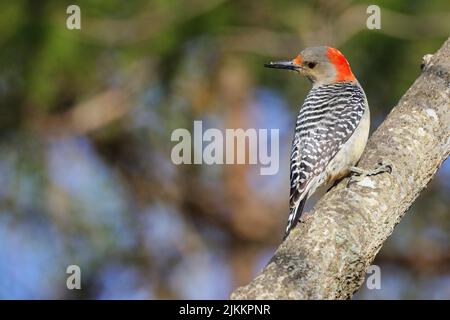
(86, 119)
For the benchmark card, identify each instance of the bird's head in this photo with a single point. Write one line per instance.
(321, 65)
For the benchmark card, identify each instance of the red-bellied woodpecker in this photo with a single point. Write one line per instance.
(331, 129)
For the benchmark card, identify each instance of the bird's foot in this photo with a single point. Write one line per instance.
(358, 174)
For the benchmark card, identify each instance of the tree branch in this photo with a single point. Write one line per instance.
(327, 255)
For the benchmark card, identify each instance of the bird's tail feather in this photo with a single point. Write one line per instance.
(294, 215)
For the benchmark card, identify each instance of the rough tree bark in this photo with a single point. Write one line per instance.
(327, 255)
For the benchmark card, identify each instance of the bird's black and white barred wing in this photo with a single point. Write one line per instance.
(327, 119)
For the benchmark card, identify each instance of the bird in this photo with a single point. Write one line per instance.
(331, 129)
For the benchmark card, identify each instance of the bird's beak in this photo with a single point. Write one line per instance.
(287, 64)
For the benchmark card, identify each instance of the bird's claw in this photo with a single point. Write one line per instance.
(358, 174)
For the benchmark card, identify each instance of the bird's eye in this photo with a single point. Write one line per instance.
(311, 65)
